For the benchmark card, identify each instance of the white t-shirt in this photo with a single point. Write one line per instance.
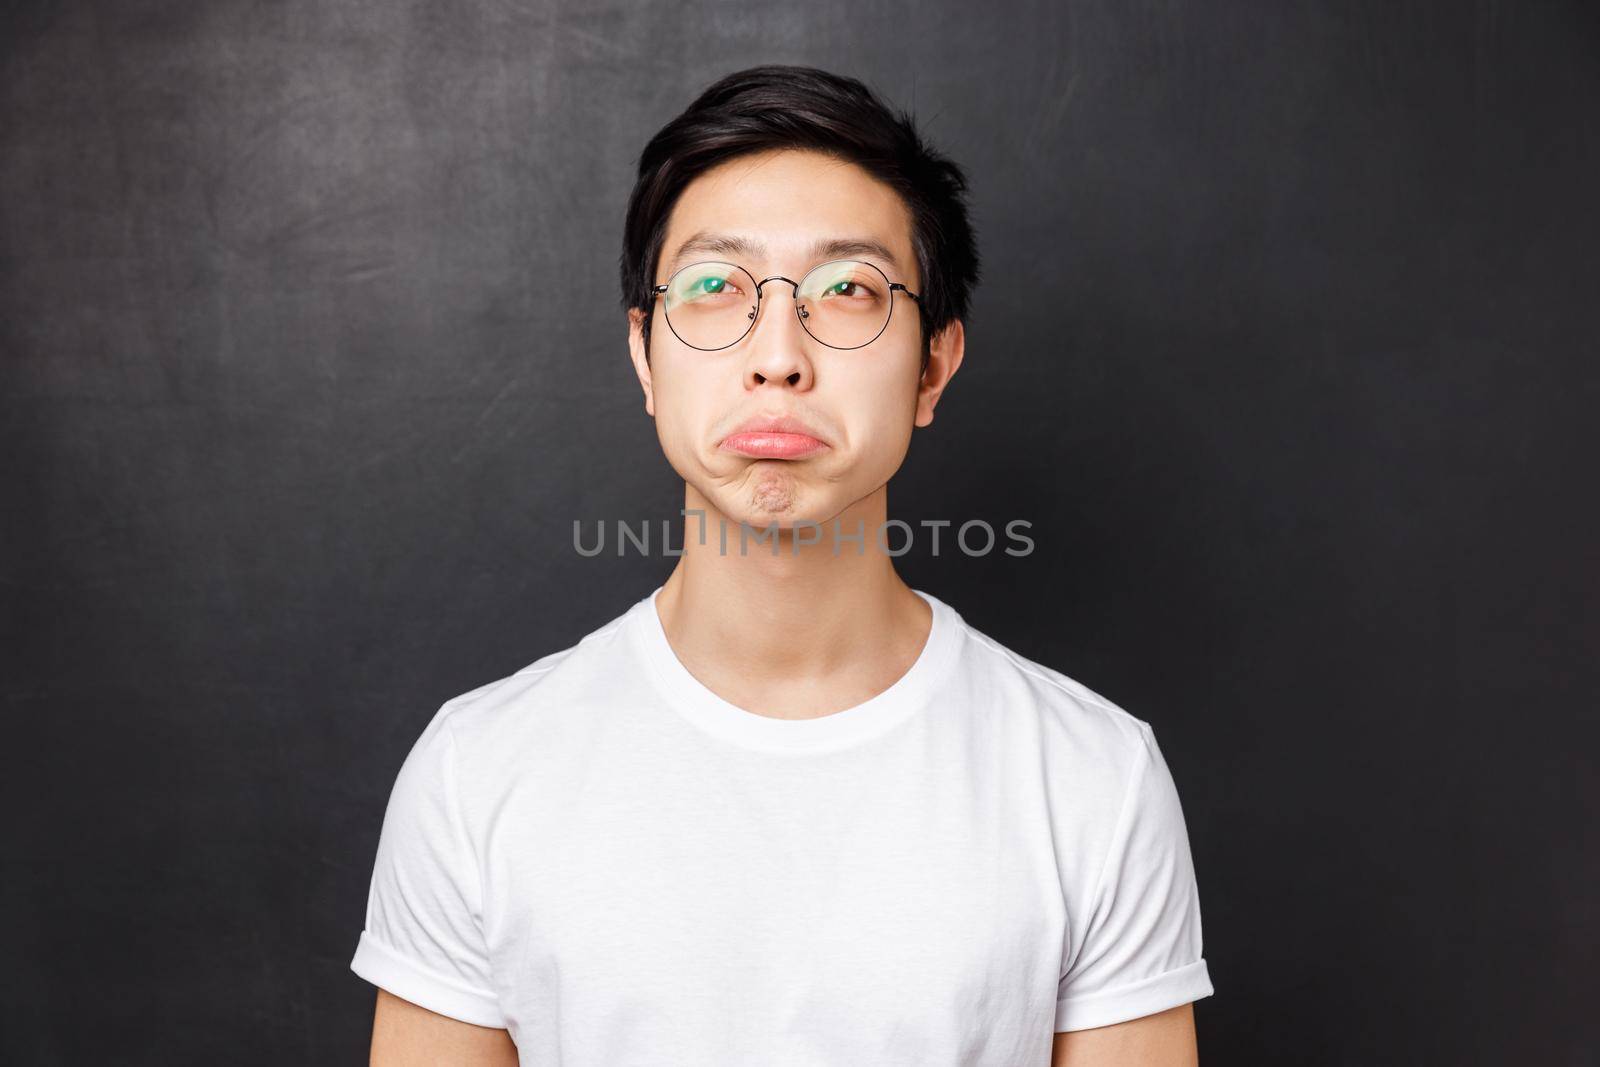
(601, 855)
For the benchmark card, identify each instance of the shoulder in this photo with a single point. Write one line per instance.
(1064, 702)
(532, 708)
(1082, 735)
(1113, 808)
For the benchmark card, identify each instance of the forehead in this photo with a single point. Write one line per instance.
(779, 209)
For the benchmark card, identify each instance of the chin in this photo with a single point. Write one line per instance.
(761, 507)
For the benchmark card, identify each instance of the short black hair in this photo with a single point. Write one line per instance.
(777, 106)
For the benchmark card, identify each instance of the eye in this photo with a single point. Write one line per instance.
(710, 286)
(844, 282)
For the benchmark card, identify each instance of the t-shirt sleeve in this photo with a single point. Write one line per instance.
(423, 940)
(1139, 951)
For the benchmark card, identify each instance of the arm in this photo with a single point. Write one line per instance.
(1165, 1039)
(405, 1035)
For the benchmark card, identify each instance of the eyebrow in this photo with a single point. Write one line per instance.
(824, 248)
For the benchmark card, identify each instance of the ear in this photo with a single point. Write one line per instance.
(641, 361)
(944, 356)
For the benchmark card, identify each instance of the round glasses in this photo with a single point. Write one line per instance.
(845, 303)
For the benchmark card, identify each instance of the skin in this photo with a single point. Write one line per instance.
(406, 1035)
(808, 631)
(1165, 1039)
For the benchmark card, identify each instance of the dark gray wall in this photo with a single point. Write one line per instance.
(311, 354)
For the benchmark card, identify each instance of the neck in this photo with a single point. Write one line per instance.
(801, 632)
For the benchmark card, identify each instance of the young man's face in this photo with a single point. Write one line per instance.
(862, 402)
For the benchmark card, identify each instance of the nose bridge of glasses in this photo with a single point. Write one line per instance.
(776, 278)
(760, 288)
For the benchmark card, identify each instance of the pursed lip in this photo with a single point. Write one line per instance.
(773, 437)
(777, 424)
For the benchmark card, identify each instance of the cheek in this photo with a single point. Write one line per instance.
(880, 415)
(891, 439)
(683, 414)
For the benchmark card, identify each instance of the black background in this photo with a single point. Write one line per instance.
(1286, 347)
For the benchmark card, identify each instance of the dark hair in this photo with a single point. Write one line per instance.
(778, 106)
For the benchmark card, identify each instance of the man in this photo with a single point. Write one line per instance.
(786, 809)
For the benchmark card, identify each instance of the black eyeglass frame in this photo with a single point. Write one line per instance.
(801, 314)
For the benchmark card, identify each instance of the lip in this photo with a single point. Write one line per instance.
(774, 437)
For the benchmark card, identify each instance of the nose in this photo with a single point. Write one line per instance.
(776, 351)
